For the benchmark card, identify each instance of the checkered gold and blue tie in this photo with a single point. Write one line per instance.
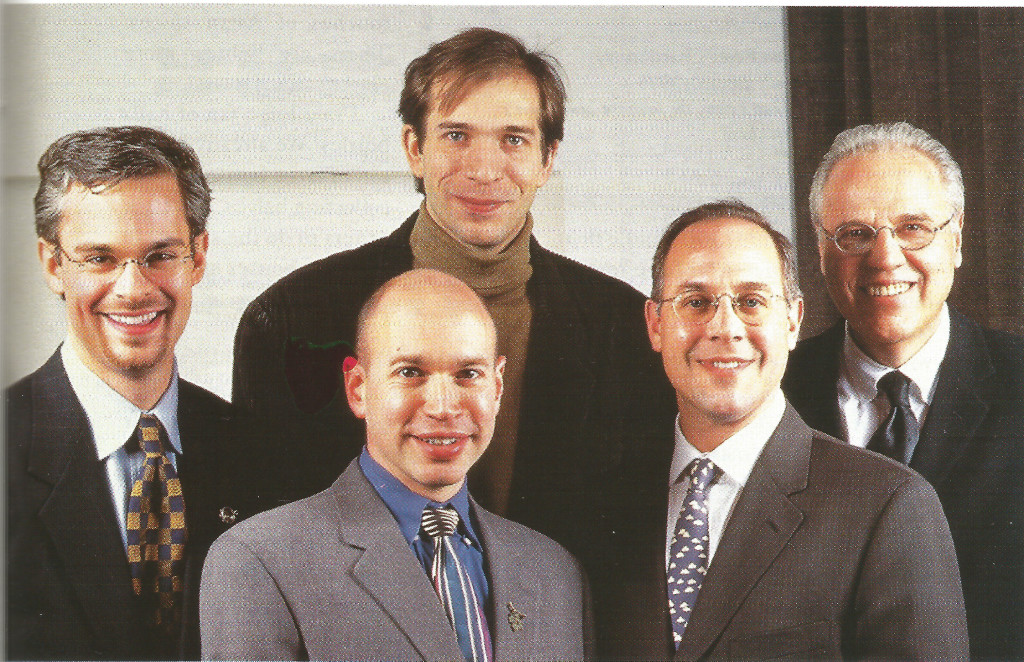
(156, 529)
(688, 553)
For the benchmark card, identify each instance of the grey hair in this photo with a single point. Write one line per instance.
(870, 137)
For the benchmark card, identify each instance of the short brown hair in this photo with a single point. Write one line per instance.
(727, 209)
(453, 68)
(106, 156)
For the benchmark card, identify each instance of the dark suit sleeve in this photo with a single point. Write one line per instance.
(242, 613)
(909, 604)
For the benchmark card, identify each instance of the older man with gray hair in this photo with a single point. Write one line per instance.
(907, 376)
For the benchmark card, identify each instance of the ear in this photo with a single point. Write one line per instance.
(199, 247)
(355, 389)
(653, 317)
(499, 375)
(413, 150)
(958, 239)
(51, 266)
(549, 164)
(795, 314)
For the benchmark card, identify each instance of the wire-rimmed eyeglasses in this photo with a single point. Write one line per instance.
(162, 263)
(698, 308)
(858, 238)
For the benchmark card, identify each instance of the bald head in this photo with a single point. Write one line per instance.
(423, 290)
(428, 381)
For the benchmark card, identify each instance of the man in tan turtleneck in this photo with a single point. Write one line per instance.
(585, 396)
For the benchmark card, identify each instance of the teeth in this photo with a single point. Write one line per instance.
(888, 290)
(726, 364)
(440, 441)
(134, 320)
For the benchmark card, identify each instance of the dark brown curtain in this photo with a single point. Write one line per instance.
(954, 72)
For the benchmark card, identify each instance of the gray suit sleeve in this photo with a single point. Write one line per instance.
(242, 612)
(909, 601)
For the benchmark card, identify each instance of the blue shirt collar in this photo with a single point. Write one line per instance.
(407, 506)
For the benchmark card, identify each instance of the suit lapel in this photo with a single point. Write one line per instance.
(762, 522)
(79, 514)
(513, 605)
(958, 406)
(387, 569)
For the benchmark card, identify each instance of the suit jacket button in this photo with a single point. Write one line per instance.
(228, 515)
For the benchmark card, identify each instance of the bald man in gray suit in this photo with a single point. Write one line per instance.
(345, 574)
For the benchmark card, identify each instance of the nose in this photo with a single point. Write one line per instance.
(886, 252)
(440, 399)
(725, 323)
(131, 281)
(482, 160)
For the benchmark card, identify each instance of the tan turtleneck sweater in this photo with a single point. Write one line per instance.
(500, 280)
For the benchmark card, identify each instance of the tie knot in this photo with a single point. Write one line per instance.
(701, 471)
(150, 435)
(896, 387)
(439, 522)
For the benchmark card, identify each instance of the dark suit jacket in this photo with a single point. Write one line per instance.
(332, 578)
(592, 384)
(831, 552)
(971, 449)
(69, 593)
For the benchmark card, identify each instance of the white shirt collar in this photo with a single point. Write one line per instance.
(736, 455)
(862, 372)
(112, 418)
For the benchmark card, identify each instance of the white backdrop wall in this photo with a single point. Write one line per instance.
(292, 112)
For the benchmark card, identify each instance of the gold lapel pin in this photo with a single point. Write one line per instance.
(515, 618)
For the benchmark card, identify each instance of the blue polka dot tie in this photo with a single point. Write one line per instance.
(688, 554)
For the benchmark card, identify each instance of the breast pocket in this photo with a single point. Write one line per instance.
(807, 641)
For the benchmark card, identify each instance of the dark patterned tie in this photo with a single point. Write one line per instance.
(899, 432)
(688, 554)
(453, 585)
(156, 529)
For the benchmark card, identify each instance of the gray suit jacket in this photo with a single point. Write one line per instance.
(331, 577)
(831, 552)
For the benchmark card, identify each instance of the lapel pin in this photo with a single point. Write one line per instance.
(515, 618)
(228, 515)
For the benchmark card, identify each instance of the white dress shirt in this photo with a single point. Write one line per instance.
(735, 458)
(862, 408)
(113, 421)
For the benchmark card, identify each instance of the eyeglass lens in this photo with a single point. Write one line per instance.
(698, 309)
(860, 237)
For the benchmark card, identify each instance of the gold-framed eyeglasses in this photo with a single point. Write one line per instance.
(858, 238)
(698, 308)
(161, 263)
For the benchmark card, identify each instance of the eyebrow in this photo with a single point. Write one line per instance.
(745, 286)
(508, 128)
(464, 362)
(107, 248)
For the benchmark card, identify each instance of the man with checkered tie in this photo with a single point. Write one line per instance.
(768, 540)
(120, 474)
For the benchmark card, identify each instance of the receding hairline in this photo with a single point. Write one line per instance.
(727, 218)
